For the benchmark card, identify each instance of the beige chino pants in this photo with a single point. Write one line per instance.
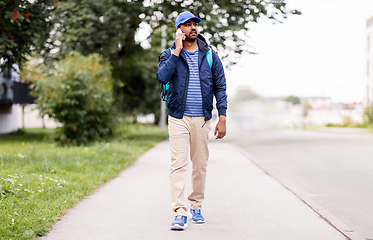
(184, 133)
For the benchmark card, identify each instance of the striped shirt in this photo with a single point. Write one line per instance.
(193, 106)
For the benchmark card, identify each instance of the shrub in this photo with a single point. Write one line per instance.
(78, 93)
(347, 122)
(292, 99)
(368, 114)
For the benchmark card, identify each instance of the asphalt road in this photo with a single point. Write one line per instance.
(334, 169)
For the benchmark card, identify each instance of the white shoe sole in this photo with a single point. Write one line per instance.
(199, 221)
(178, 227)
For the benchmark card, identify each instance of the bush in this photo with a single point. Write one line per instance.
(292, 99)
(78, 93)
(368, 114)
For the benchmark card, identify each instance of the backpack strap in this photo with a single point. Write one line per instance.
(209, 57)
(165, 87)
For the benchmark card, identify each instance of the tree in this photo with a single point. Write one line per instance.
(108, 27)
(141, 91)
(293, 99)
(24, 27)
(224, 21)
(245, 94)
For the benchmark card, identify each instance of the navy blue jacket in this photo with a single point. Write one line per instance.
(175, 70)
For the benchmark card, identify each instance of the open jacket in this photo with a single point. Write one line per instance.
(175, 70)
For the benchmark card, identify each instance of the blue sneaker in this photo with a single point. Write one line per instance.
(180, 223)
(196, 216)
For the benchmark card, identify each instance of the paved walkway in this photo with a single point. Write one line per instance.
(242, 202)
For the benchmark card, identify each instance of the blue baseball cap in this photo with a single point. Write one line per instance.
(185, 17)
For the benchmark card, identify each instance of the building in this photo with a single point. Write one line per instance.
(8, 110)
(16, 105)
(369, 61)
(318, 103)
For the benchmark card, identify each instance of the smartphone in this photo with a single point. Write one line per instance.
(179, 31)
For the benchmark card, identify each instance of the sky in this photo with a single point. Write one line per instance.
(320, 53)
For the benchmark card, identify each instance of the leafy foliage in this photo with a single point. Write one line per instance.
(245, 94)
(348, 122)
(368, 114)
(141, 92)
(306, 108)
(108, 27)
(78, 93)
(224, 23)
(95, 26)
(293, 99)
(25, 26)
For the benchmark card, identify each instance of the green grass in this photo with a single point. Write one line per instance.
(40, 180)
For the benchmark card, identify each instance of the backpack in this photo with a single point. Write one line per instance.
(165, 87)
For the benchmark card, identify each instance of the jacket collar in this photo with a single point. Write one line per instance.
(202, 44)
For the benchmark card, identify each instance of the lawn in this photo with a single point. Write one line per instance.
(40, 180)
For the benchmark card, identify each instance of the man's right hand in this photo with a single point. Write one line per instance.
(179, 43)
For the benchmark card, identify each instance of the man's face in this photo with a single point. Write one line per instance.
(190, 28)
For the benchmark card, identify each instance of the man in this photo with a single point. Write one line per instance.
(193, 83)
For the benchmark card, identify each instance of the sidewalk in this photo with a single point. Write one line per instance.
(242, 202)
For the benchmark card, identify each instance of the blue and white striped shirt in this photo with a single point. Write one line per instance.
(193, 106)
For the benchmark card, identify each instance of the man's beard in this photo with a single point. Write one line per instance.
(192, 38)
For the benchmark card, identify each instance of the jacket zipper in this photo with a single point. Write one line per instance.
(186, 87)
(200, 83)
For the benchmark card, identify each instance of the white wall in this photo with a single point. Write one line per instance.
(8, 121)
(32, 118)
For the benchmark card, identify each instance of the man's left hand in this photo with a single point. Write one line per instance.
(220, 129)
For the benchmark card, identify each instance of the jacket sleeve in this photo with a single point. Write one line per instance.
(220, 85)
(167, 66)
